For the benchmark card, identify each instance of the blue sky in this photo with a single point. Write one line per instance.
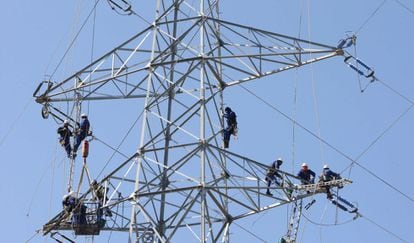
(329, 103)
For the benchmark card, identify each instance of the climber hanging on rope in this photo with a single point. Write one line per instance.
(231, 126)
(64, 139)
(81, 133)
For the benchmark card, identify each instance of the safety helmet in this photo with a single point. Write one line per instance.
(84, 115)
(72, 194)
(326, 167)
(64, 197)
(304, 165)
(65, 122)
(279, 160)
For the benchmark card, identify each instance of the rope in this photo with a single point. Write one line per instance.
(33, 236)
(15, 121)
(315, 100)
(327, 225)
(74, 39)
(370, 17)
(329, 145)
(92, 47)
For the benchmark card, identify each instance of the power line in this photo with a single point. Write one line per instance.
(395, 91)
(405, 6)
(328, 144)
(370, 17)
(381, 135)
(384, 229)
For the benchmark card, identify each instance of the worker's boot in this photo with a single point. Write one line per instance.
(226, 144)
(268, 192)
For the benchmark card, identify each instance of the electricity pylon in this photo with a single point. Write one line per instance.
(180, 181)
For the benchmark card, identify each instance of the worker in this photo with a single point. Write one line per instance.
(231, 125)
(99, 194)
(69, 201)
(64, 139)
(328, 175)
(306, 175)
(71, 204)
(82, 132)
(272, 175)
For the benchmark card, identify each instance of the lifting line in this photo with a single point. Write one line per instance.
(74, 39)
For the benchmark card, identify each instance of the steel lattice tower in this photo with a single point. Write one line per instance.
(180, 181)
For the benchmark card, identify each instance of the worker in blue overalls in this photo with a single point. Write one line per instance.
(64, 139)
(81, 133)
(328, 175)
(231, 125)
(306, 175)
(272, 175)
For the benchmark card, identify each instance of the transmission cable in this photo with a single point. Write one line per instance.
(116, 150)
(328, 144)
(370, 17)
(383, 228)
(389, 127)
(380, 136)
(74, 39)
(395, 91)
(405, 6)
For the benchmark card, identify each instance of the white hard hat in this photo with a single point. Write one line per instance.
(72, 194)
(65, 122)
(64, 197)
(84, 115)
(304, 165)
(326, 167)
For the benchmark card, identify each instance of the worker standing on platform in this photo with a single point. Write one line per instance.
(100, 193)
(328, 175)
(306, 175)
(64, 139)
(69, 201)
(81, 133)
(231, 128)
(272, 175)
